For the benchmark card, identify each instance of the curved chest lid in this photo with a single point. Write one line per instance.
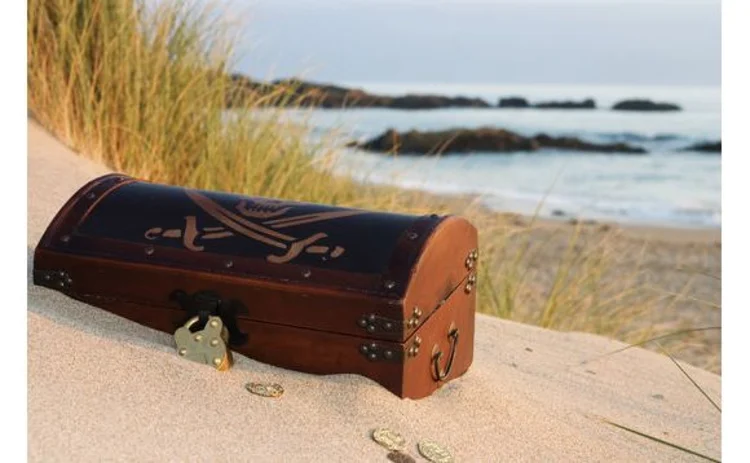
(121, 218)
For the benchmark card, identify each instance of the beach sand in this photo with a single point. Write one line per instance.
(104, 388)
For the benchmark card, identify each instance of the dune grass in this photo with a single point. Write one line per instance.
(143, 90)
(659, 441)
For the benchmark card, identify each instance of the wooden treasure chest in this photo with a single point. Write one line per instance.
(308, 287)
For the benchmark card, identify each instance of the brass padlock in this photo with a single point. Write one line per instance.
(208, 345)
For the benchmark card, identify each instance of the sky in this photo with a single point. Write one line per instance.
(631, 42)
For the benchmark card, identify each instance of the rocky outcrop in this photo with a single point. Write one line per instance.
(576, 144)
(520, 102)
(513, 102)
(431, 102)
(297, 93)
(585, 104)
(706, 147)
(448, 141)
(484, 139)
(645, 105)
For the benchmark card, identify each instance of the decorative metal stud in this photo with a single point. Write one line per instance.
(228, 264)
(65, 238)
(412, 236)
(389, 284)
(374, 352)
(149, 250)
(414, 319)
(306, 273)
(471, 259)
(56, 278)
(468, 288)
(373, 323)
(472, 278)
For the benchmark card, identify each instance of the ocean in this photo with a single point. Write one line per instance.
(665, 188)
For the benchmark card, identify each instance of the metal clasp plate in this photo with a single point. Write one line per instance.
(208, 346)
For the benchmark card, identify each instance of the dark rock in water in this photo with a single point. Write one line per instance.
(513, 102)
(519, 102)
(585, 104)
(483, 139)
(576, 144)
(707, 147)
(645, 105)
(294, 93)
(449, 141)
(431, 102)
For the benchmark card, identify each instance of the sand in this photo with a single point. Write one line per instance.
(101, 388)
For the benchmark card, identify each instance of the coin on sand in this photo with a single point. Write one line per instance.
(389, 439)
(434, 452)
(265, 390)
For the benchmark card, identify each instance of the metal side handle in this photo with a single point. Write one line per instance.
(437, 373)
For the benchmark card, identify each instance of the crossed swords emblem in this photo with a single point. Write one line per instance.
(270, 213)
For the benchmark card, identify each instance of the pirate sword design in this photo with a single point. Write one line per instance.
(265, 232)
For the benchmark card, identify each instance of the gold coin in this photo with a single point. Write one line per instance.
(265, 390)
(389, 439)
(434, 452)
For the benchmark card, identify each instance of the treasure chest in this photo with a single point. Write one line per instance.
(314, 288)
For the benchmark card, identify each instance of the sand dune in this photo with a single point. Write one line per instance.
(104, 388)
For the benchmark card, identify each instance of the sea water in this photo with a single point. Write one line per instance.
(665, 187)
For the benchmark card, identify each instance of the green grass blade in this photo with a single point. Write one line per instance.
(702, 391)
(662, 441)
(654, 339)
